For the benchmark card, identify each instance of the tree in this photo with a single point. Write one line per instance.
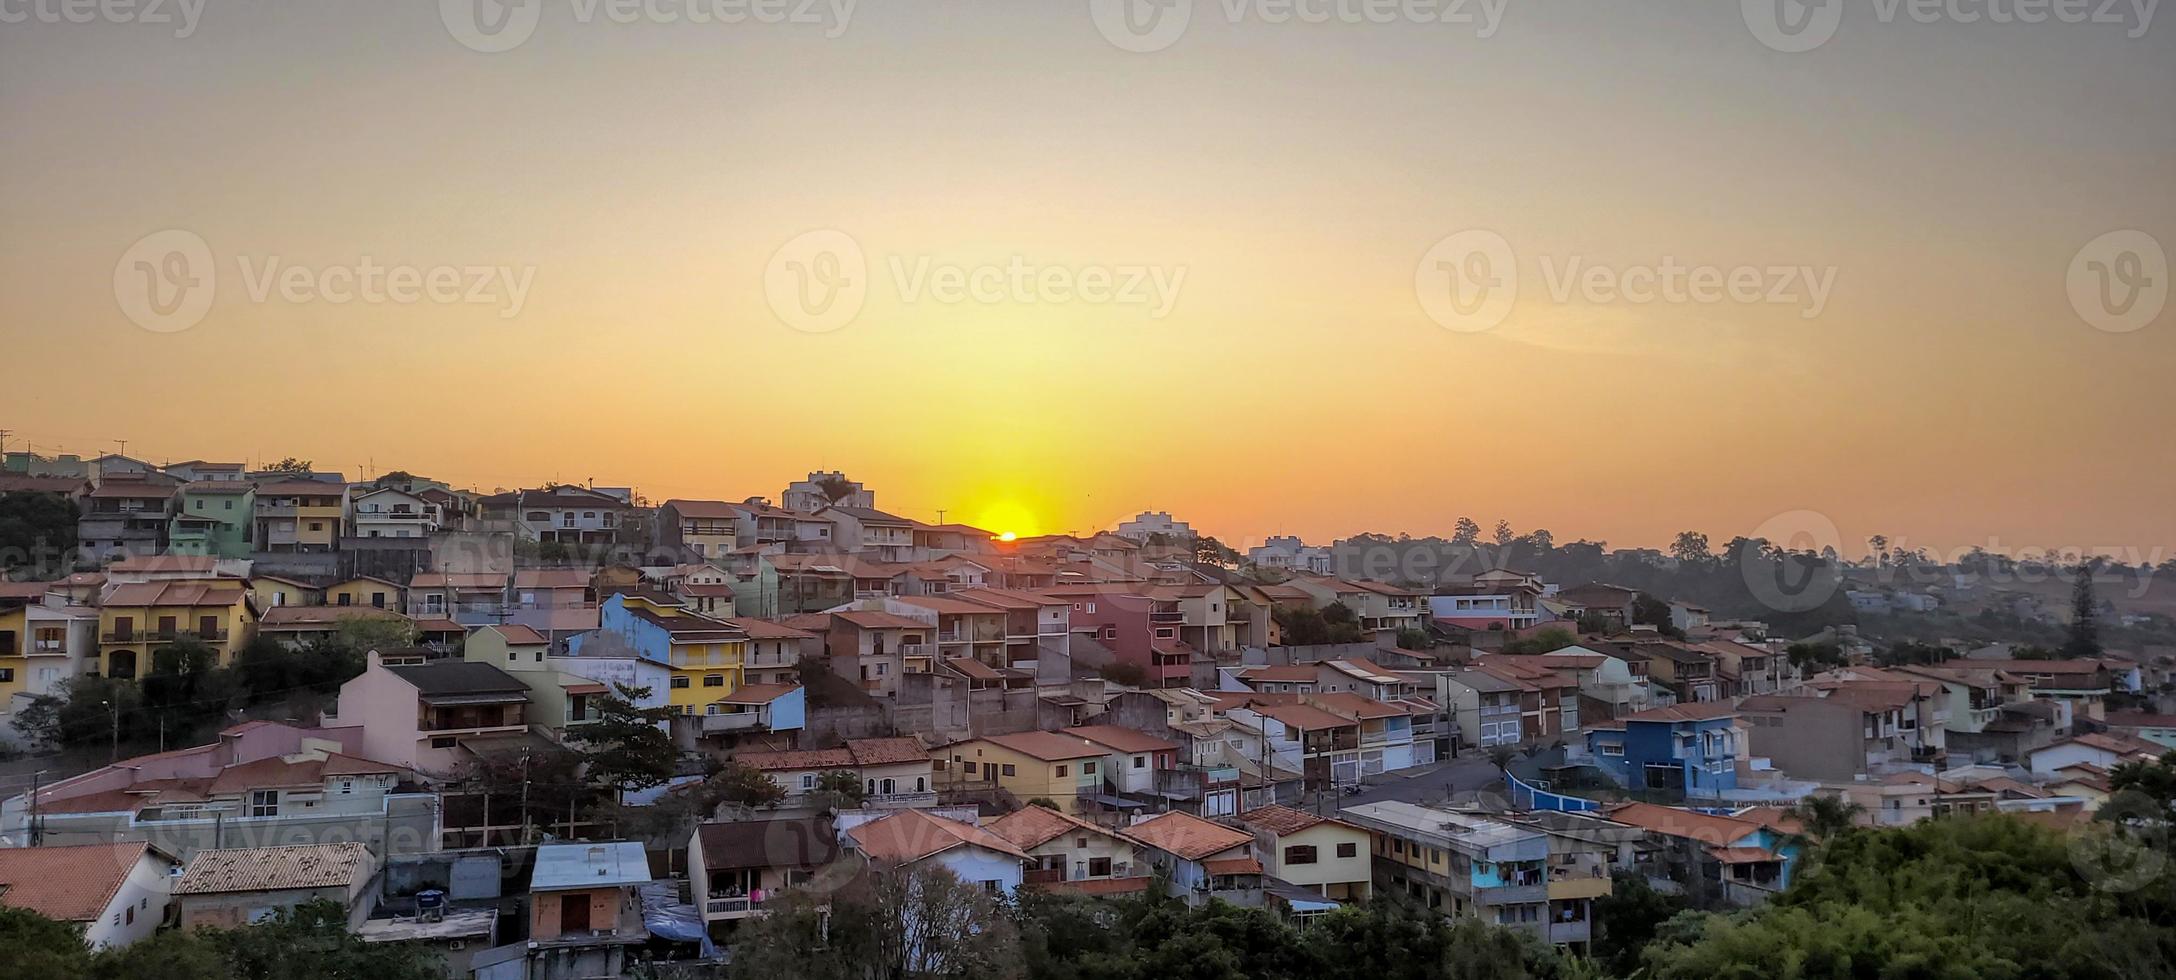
(914, 922)
(1210, 551)
(1502, 756)
(1124, 672)
(290, 464)
(2155, 780)
(1540, 540)
(32, 945)
(627, 747)
(1504, 534)
(1814, 657)
(1414, 639)
(2083, 637)
(839, 789)
(1827, 817)
(312, 942)
(37, 530)
(1650, 611)
(1626, 919)
(1466, 533)
(365, 633)
(836, 488)
(1548, 640)
(744, 786)
(1690, 547)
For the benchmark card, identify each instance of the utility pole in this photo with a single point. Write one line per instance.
(523, 816)
(114, 750)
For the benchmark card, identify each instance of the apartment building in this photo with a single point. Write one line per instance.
(137, 619)
(124, 517)
(300, 515)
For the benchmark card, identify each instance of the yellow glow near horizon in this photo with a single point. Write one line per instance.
(1008, 536)
(1009, 519)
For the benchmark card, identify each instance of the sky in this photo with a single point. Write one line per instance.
(1001, 259)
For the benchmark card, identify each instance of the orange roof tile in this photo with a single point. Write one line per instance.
(1186, 835)
(911, 835)
(70, 884)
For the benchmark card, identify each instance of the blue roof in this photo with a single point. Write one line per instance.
(589, 865)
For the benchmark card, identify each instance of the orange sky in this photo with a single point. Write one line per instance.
(1946, 394)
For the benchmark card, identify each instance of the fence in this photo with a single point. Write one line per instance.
(1526, 797)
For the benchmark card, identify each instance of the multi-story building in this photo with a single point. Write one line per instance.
(1689, 748)
(124, 517)
(388, 512)
(468, 598)
(1322, 854)
(1289, 552)
(702, 529)
(197, 470)
(964, 630)
(708, 657)
(137, 619)
(300, 515)
(1064, 769)
(893, 772)
(1464, 865)
(1147, 525)
(1037, 627)
(1301, 738)
(885, 537)
(747, 863)
(213, 518)
(1062, 848)
(419, 716)
(559, 514)
(826, 489)
(873, 647)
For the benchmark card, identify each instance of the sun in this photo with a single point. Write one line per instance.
(1008, 536)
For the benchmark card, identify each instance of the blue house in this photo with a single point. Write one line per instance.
(1689, 748)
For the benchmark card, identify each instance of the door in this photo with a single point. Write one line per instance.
(573, 912)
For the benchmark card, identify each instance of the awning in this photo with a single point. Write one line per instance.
(1117, 802)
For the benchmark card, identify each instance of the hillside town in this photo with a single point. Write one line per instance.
(566, 731)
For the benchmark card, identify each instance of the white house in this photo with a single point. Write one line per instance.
(913, 837)
(391, 513)
(116, 893)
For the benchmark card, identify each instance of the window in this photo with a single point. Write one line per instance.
(921, 783)
(1087, 768)
(1010, 771)
(346, 599)
(1348, 849)
(713, 680)
(6, 674)
(264, 803)
(1165, 633)
(969, 767)
(808, 781)
(442, 742)
(1300, 854)
(679, 680)
(1612, 749)
(1060, 771)
(1098, 867)
(1140, 761)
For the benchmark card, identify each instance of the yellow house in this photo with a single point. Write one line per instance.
(273, 591)
(1029, 765)
(1318, 853)
(366, 590)
(300, 515)
(708, 656)
(14, 644)
(140, 617)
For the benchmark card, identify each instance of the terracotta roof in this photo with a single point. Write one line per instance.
(1033, 826)
(764, 629)
(943, 605)
(758, 693)
(1350, 705)
(70, 884)
(1303, 717)
(1232, 866)
(1122, 739)
(1707, 828)
(911, 835)
(293, 618)
(519, 635)
(1743, 855)
(176, 593)
(1688, 711)
(309, 771)
(1281, 820)
(1048, 746)
(872, 619)
(708, 510)
(255, 869)
(1281, 674)
(551, 578)
(1186, 835)
(1772, 817)
(887, 751)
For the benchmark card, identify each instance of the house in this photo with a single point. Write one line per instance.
(197, 470)
(1740, 861)
(468, 598)
(2105, 750)
(1509, 605)
(2158, 729)
(300, 515)
(1138, 624)
(123, 517)
(1848, 734)
(259, 783)
(1037, 627)
(1685, 748)
(213, 518)
(229, 888)
(824, 489)
(886, 537)
(1467, 865)
(585, 911)
(1064, 769)
(700, 528)
(1610, 687)
(2082, 683)
(1902, 798)
(707, 656)
(418, 716)
(272, 591)
(915, 837)
(388, 512)
(559, 514)
(1132, 760)
(113, 893)
(755, 709)
(558, 700)
(965, 630)
(1062, 848)
(1302, 738)
(1203, 859)
(1289, 552)
(775, 650)
(1488, 706)
(137, 619)
(1688, 673)
(552, 601)
(873, 647)
(368, 590)
(746, 863)
(298, 626)
(1386, 728)
(1611, 604)
(894, 772)
(1322, 854)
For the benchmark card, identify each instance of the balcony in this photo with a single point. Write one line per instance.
(736, 722)
(1173, 616)
(914, 651)
(1577, 931)
(162, 636)
(1053, 629)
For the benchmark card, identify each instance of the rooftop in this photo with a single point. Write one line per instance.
(589, 865)
(70, 884)
(257, 869)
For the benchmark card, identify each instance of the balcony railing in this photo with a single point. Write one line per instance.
(739, 721)
(1173, 616)
(162, 636)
